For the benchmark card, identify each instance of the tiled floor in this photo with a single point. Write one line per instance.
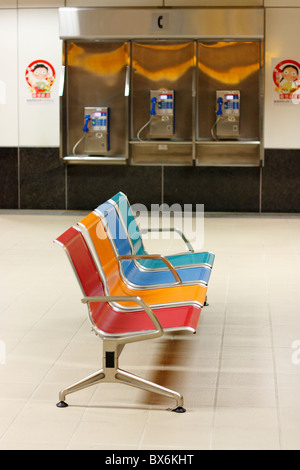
(240, 374)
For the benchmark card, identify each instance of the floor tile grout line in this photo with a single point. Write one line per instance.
(46, 373)
(144, 429)
(220, 356)
(272, 340)
(67, 447)
(32, 327)
(38, 385)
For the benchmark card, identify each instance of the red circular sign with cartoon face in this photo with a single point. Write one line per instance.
(40, 76)
(286, 76)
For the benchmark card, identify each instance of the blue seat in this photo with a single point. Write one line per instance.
(186, 259)
(132, 272)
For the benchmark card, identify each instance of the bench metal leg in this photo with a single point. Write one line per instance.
(112, 374)
(138, 382)
(92, 379)
(121, 376)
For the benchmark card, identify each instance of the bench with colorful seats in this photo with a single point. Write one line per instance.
(122, 312)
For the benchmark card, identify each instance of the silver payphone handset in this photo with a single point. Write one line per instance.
(96, 131)
(162, 115)
(227, 124)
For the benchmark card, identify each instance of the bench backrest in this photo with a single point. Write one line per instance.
(185, 259)
(106, 320)
(122, 203)
(117, 232)
(104, 255)
(83, 264)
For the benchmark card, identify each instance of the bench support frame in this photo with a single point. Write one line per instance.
(112, 348)
(111, 373)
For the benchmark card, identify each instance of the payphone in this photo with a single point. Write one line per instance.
(228, 114)
(162, 115)
(162, 124)
(96, 130)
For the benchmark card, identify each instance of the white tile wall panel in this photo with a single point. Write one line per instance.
(38, 41)
(281, 122)
(8, 79)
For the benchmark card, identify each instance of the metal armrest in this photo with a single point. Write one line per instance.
(131, 337)
(161, 257)
(171, 229)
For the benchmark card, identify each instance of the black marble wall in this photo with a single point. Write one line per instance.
(42, 179)
(8, 178)
(281, 181)
(35, 178)
(226, 189)
(89, 186)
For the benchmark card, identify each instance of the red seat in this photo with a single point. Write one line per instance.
(109, 320)
(117, 326)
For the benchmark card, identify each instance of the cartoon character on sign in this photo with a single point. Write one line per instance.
(286, 76)
(40, 76)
